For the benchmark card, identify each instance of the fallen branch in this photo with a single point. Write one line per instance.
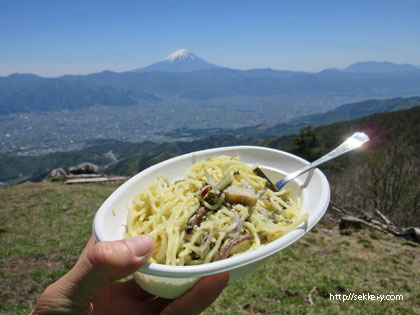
(335, 207)
(310, 296)
(387, 227)
(383, 217)
(95, 180)
(380, 227)
(374, 224)
(365, 214)
(74, 176)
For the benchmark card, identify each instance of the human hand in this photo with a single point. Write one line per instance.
(90, 287)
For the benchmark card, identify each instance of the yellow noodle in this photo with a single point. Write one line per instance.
(164, 208)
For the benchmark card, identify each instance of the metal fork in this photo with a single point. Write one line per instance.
(355, 141)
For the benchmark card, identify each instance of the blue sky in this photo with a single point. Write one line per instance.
(51, 38)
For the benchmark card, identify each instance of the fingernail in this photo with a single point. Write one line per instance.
(140, 245)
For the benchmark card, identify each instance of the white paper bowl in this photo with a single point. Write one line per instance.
(172, 281)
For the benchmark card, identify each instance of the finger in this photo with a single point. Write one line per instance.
(157, 305)
(200, 296)
(104, 262)
(88, 246)
(132, 289)
(127, 298)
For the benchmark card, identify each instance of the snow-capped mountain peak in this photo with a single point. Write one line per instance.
(180, 54)
(181, 60)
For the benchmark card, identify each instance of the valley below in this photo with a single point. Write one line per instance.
(35, 133)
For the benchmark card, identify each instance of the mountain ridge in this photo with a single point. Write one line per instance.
(272, 87)
(181, 60)
(379, 67)
(181, 56)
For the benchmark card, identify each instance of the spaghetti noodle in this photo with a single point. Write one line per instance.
(220, 209)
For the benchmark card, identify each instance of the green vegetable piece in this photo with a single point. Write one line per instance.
(224, 182)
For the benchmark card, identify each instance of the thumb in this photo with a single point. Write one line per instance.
(104, 262)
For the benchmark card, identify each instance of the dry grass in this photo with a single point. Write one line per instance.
(301, 278)
(44, 227)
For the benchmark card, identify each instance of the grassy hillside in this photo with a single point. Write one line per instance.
(44, 227)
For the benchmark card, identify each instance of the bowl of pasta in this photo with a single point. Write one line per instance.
(212, 211)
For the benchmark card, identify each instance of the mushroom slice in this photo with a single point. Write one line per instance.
(242, 195)
(224, 253)
(195, 219)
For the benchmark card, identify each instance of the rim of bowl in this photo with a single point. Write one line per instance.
(234, 262)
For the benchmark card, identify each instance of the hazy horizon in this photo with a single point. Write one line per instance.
(53, 38)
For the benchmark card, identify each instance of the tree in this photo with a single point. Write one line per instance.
(393, 181)
(307, 144)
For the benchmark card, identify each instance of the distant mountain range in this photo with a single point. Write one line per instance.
(379, 67)
(185, 78)
(183, 60)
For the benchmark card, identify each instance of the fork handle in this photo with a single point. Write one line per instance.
(355, 141)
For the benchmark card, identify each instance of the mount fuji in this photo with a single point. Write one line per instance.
(181, 60)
